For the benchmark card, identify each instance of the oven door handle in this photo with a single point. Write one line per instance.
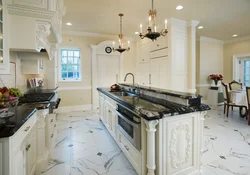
(131, 122)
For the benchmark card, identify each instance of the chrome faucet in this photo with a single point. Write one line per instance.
(138, 89)
(133, 79)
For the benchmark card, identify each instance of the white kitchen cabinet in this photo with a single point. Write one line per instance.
(19, 161)
(50, 129)
(144, 51)
(158, 74)
(31, 153)
(160, 43)
(4, 49)
(142, 75)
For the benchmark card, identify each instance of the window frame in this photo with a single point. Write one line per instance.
(60, 65)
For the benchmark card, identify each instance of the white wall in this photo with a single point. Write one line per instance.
(80, 93)
(209, 56)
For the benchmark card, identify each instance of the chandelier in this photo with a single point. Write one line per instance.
(152, 29)
(121, 47)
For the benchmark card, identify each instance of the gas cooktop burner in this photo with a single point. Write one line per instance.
(36, 97)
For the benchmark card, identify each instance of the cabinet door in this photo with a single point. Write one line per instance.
(158, 75)
(144, 53)
(18, 162)
(112, 120)
(31, 153)
(101, 103)
(143, 74)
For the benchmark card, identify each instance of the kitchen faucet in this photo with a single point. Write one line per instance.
(138, 91)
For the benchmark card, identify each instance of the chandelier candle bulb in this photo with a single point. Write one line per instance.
(155, 29)
(128, 43)
(166, 24)
(141, 28)
(113, 44)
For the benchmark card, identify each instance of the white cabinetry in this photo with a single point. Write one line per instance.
(31, 153)
(18, 155)
(178, 47)
(158, 73)
(50, 128)
(109, 118)
(4, 49)
(19, 161)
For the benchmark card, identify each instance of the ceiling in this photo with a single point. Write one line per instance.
(220, 18)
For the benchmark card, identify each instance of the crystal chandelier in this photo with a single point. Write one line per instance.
(152, 29)
(121, 47)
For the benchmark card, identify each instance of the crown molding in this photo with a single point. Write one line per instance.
(193, 23)
(237, 40)
(100, 35)
(211, 40)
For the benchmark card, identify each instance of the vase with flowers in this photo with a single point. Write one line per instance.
(216, 78)
(40, 83)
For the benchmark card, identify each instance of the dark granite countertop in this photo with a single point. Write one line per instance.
(152, 111)
(21, 115)
(184, 95)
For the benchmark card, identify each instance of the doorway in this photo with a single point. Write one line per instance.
(241, 69)
(106, 68)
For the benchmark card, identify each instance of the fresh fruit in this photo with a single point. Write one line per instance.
(6, 95)
(1, 95)
(16, 92)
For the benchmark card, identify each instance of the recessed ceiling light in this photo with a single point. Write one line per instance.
(69, 24)
(200, 27)
(179, 7)
(235, 35)
(137, 33)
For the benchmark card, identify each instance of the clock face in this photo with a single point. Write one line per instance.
(108, 50)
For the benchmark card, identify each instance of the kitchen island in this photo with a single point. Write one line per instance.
(159, 131)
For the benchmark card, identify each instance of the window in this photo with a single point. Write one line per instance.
(70, 64)
(246, 73)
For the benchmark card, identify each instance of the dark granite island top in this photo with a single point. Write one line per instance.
(153, 108)
(21, 115)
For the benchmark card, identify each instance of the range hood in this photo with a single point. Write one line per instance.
(35, 29)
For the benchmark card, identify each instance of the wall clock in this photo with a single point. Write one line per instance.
(108, 50)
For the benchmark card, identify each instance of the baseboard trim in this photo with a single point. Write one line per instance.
(65, 109)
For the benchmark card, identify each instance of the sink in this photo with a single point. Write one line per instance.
(122, 93)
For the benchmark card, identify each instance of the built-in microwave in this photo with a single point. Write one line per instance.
(129, 123)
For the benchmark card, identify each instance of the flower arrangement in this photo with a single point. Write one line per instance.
(216, 78)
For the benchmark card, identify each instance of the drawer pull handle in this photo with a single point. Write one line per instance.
(54, 125)
(109, 111)
(51, 120)
(27, 129)
(28, 147)
(127, 148)
(52, 135)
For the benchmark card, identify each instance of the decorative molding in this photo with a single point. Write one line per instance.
(31, 3)
(173, 143)
(100, 35)
(53, 17)
(65, 109)
(42, 31)
(74, 88)
(203, 85)
(211, 40)
(237, 40)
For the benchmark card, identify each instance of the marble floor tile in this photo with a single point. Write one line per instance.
(84, 146)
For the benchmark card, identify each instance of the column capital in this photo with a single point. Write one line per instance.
(151, 124)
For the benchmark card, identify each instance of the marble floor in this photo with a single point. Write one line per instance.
(84, 147)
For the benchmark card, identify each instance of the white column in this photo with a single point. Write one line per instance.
(202, 118)
(94, 77)
(150, 128)
(192, 56)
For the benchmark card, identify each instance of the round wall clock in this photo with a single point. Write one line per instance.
(108, 50)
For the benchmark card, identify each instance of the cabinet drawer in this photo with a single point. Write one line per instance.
(159, 44)
(159, 53)
(22, 132)
(111, 103)
(131, 152)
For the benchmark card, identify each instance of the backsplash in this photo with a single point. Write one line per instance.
(16, 78)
